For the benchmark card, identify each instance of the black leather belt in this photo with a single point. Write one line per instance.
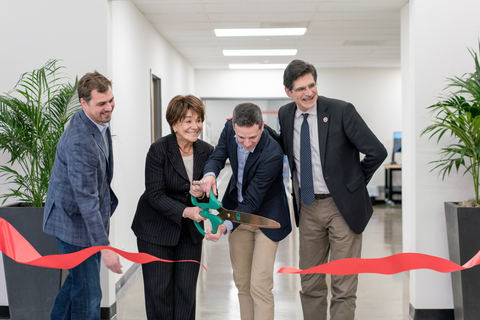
(322, 195)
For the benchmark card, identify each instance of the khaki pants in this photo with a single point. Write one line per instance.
(253, 255)
(322, 231)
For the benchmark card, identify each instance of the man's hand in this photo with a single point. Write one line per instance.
(193, 213)
(111, 261)
(208, 183)
(215, 236)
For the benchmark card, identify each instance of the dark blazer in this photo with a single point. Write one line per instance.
(342, 134)
(79, 200)
(158, 218)
(263, 190)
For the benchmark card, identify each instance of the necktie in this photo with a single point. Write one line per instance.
(307, 192)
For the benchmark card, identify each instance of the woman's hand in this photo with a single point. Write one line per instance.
(193, 213)
(196, 190)
(215, 236)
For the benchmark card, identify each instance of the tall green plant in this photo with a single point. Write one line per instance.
(33, 117)
(459, 115)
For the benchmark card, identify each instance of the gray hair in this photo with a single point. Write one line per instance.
(247, 114)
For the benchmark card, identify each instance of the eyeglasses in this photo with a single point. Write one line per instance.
(302, 89)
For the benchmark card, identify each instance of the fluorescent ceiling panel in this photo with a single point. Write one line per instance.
(258, 53)
(257, 66)
(258, 32)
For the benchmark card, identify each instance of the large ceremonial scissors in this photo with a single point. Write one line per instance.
(225, 214)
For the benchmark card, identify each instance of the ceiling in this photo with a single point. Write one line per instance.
(340, 33)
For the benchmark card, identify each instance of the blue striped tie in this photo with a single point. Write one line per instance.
(306, 175)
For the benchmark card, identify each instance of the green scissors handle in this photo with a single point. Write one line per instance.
(212, 203)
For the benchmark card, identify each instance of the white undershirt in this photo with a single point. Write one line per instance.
(188, 162)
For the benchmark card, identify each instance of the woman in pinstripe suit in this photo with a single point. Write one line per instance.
(164, 218)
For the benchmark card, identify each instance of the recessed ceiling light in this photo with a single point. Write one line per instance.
(257, 53)
(257, 66)
(363, 43)
(252, 32)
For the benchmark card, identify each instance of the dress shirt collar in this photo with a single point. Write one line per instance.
(101, 127)
(312, 111)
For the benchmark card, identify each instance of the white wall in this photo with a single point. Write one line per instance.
(376, 93)
(239, 83)
(439, 33)
(408, 135)
(137, 48)
(36, 31)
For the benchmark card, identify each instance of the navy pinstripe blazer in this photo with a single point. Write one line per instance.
(79, 199)
(158, 218)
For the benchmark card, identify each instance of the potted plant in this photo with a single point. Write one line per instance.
(33, 116)
(458, 116)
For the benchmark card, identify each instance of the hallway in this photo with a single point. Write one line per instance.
(380, 297)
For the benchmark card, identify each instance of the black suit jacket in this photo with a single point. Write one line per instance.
(158, 218)
(263, 190)
(342, 134)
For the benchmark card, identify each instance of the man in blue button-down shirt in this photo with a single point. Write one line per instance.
(256, 186)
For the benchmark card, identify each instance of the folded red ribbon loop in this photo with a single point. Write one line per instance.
(15, 246)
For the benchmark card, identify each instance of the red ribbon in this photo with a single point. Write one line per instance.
(14, 245)
(389, 265)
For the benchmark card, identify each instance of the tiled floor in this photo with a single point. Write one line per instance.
(380, 297)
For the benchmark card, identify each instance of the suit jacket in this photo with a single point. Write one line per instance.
(342, 134)
(79, 199)
(158, 218)
(263, 190)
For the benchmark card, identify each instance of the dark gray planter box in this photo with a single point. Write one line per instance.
(463, 234)
(31, 290)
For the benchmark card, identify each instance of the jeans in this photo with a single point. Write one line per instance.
(80, 296)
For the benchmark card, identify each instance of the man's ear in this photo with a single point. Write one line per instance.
(288, 92)
(263, 125)
(83, 103)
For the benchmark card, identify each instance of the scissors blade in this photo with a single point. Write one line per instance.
(247, 218)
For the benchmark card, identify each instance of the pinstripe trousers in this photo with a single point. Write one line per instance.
(170, 288)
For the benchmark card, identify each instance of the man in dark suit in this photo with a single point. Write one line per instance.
(80, 201)
(256, 186)
(322, 138)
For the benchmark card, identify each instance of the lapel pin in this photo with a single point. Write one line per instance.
(325, 119)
